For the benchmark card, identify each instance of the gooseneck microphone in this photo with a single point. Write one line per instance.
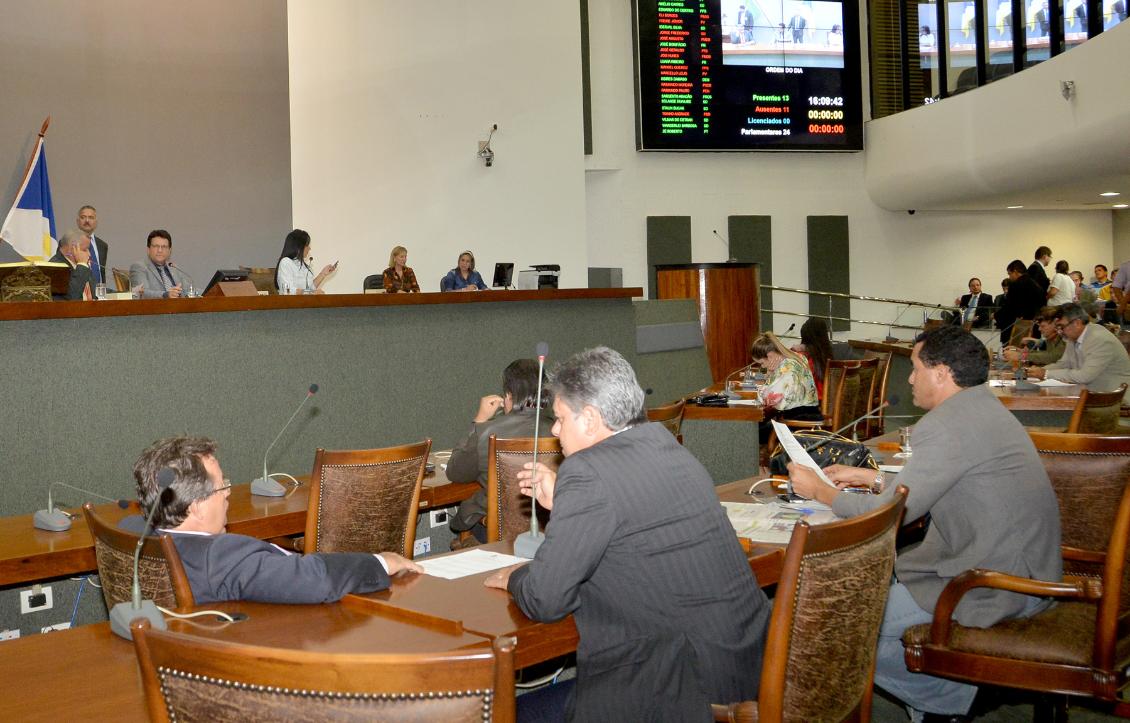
(122, 614)
(54, 520)
(191, 282)
(265, 486)
(526, 544)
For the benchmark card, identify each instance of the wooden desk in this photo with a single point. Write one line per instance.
(88, 673)
(1056, 399)
(28, 554)
(740, 413)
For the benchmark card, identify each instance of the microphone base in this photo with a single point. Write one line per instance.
(122, 614)
(52, 520)
(267, 487)
(526, 544)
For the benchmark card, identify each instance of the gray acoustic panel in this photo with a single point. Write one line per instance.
(751, 241)
(668, 337)
(828, 268)
(668, 242)
(606, 277)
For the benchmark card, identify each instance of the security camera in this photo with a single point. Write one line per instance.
(909, 210)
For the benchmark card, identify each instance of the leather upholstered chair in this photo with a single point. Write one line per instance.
(121, 279)
(1097, 412)
(162, 575)
(365, 500)
(816, 667)
(868, 383)
(1081, 645)
(876, 425)
(670, 416)
(508, 510)
(187, 677)
(372, 282)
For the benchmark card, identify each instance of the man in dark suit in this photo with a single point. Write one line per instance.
(99, 249)
(1023, 300)
(976, 306)
(1037, 271)
(222, 566)
(468, 461)
(642, 554)
(75, 252)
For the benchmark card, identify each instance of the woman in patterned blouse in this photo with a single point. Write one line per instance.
(790, 388)
(398, 276)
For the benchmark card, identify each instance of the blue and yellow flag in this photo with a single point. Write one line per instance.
(30, 225)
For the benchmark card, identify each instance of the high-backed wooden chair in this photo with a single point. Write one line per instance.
(262, 277)
(864, 399)
(121, 279)
(508, 510)
(365, 500)
(160, 570)
(841, 394)
(817, 667)
(670, 416)
(877, 424)
(193, 678)
(1097, 412)
(1081, 645)
(1020, 329)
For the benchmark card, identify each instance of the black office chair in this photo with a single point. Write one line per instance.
(373, 281)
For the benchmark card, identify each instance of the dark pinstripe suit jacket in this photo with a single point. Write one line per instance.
(640, 551)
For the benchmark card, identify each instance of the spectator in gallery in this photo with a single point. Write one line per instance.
(463, 277)
(1061, 289)
(976, 307)
(926, 38)
(399, 276)
(836, 37)
(293, 274)
(1037, 269)
(1083, 293)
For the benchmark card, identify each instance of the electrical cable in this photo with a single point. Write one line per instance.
(78, 598)
(186, 616)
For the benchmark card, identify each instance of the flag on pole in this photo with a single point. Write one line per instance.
(30, 224)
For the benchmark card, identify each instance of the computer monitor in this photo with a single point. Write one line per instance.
(226, 275)
(503, 276)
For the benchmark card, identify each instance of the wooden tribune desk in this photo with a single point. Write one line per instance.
(28, 554)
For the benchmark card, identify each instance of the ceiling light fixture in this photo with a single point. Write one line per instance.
(1121, 205)
(1110, 193)
(1015, 207)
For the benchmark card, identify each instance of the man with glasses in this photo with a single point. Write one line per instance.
(222, 566)
(158, 277)
(1094, 357)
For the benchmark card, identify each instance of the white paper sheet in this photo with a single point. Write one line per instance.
(774, 522)
(890, 468)
(471, 562)
(797, 452)
(1052, 383)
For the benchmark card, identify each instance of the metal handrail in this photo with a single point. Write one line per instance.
(841, 318)
(906, 302)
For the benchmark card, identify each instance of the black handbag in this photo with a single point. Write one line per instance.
(825, 448)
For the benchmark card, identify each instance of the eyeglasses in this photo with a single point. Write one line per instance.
(226, 486)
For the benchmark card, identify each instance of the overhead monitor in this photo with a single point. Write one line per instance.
(748, 75)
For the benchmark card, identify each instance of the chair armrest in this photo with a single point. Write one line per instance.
(1079, 555)
(1081, 589)
(744, 712)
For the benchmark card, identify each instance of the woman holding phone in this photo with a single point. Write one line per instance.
(293, 274)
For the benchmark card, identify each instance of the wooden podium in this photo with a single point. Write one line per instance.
(729, 307)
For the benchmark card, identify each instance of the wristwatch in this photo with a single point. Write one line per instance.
(877, 484)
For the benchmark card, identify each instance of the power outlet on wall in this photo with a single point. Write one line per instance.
(9, 635)
(37, 599)
(422, 546)
(438, 518)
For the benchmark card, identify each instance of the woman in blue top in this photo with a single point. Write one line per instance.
(463, 277)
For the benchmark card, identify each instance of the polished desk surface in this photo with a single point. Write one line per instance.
(28, 554)
(1044, 399)
(20, 310)
(89, 673)
(742, 413)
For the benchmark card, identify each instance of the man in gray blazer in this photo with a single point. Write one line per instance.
(220, 566)
(158, 276)
(1093, 356)
(991, 505)
(507, 416)
(640, 551)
